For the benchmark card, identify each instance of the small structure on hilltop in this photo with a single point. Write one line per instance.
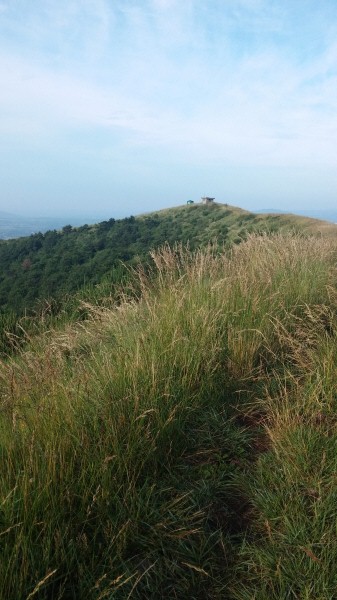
(207, 200)
(190, 202)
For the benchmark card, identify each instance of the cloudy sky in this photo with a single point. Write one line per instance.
(116, 107)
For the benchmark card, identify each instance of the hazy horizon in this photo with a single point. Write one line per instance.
(124, 107)
(90, 218)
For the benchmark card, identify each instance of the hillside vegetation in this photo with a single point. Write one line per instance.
(181, 442)
(56, 263)
(49, 275)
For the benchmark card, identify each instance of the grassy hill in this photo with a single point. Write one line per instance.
(180, 443)
(56, 263)
(51, 274)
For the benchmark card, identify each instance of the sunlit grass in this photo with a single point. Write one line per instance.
(179, 443)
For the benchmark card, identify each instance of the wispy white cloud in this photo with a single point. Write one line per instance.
(220, 83)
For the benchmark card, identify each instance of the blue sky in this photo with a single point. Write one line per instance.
(117, 107)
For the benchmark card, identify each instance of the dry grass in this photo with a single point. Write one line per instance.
(122, 447)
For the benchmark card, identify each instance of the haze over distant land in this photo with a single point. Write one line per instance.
(14, 226)
(119, 107)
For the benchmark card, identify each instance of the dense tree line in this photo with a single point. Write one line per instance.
(61, 262)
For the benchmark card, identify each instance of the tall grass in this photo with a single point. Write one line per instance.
(293, 489)
(143, 449)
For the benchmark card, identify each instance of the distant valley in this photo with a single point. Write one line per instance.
(15, 226)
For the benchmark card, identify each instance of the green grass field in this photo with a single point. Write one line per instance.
(181, 442)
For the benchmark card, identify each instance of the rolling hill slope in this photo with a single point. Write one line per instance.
(61, 262)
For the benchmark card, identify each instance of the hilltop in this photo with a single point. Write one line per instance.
(51, 274)
(50, 265)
